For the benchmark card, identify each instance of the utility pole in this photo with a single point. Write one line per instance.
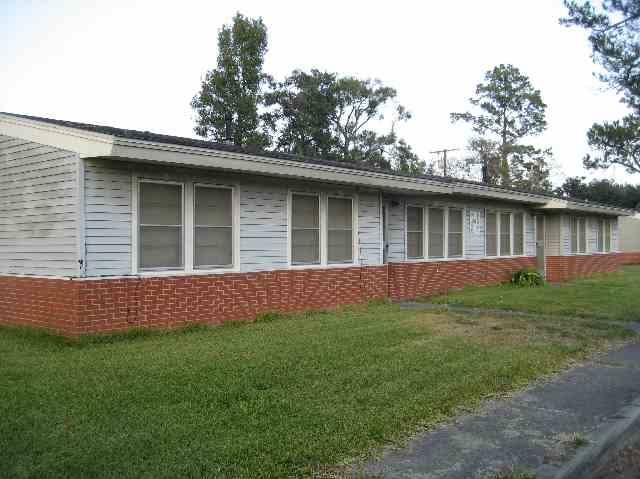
(444, 152)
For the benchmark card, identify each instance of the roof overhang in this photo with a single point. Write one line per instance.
(89, 144)
(559, 205)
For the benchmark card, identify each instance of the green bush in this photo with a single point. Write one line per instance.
(527, 278)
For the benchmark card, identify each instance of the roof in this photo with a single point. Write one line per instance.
(124, 137)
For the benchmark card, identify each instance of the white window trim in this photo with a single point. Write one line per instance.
(425, 233)
(511, 213)
(323, 198)
(187, 228)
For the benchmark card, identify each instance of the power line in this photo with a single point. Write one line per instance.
(444, 152)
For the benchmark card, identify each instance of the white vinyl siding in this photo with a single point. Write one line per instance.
(39, 209)
(415, 232)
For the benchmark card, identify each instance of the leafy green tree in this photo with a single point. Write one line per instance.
(230, 94)
(601, 191)
(614, 34)
(321, 114)
(509, 109)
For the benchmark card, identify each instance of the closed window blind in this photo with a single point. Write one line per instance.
(305, 229)
(436, 232)
(160, 226)
(491, 236)
(505, 234)
(454, 246)
(340, 230)
(415, 232)
(213, 227)
(518, 233)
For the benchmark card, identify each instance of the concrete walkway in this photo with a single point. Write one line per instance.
(531, 431)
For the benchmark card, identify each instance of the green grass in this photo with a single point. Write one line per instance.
(612, 296)
(282, 397)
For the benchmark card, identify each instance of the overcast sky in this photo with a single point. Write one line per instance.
(136, 64)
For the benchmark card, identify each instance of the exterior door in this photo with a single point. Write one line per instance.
(540, 233)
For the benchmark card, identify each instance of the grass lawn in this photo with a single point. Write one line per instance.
(612, 296)
(277, 398)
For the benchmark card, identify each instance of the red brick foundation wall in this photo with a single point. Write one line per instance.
(40, 302)
(629, 257)
(82, 306)
(413, 280)
(563, 268)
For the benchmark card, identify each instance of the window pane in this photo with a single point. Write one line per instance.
(582, 230)
(160, 204)
(340, 213)
(518, 233)
(305, 211)
(600, 236)
(491, 235)
(574, 235)
(415, 218)
(305, 246)
(436, 232)
(213, 247)
(415, 245)
(212, 206)
(340, 247)
(607, 235)
(505, 234)
(454, 246)
(160, 247)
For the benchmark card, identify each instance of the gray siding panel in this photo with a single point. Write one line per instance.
(396, 230)
(369, 231)
(107, 190)
(38, 209)
(474, 240)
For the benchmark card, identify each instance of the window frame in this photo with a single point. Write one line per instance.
(445, 232)
(324, 230)
(188, 227)
(499, 212)
(425, 241)
(578, 220)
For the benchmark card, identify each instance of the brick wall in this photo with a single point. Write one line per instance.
(412, 280)
(82, 306)
(40, 302)
(563, 268)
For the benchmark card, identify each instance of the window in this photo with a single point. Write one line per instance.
(491, 237)
(505, 234)
(607, 235)
(600, 233)
(578, 235)
(213, 227)
(518, 234)
(455, 233)
(436, 233)
(160, 226)
(305, 229)
(415, 232)
(340, 230)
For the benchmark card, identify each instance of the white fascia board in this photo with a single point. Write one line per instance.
(84, 143)
(241, 162)
(560, 205)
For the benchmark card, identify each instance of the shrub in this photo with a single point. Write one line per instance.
(527, 278)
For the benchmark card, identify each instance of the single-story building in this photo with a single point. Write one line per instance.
(105, 229)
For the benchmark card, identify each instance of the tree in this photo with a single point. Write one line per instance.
(509, 109)
(614, 30)
(321, 114)
(601, 191)
(227, 104)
